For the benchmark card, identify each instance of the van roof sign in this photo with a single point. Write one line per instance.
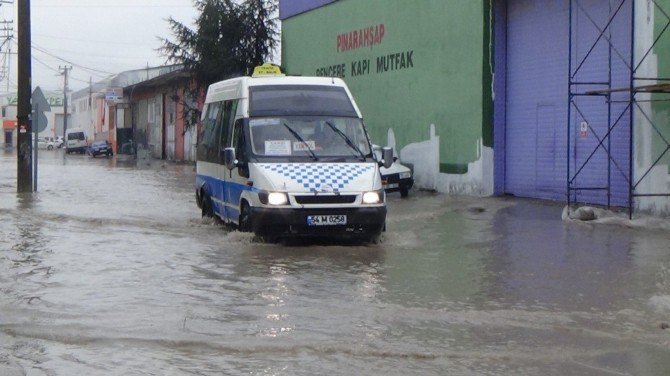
(267, 69)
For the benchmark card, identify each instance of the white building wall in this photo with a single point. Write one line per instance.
(424, 157)
(658, 178)
(83, 115)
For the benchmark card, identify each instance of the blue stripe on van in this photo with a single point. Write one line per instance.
(225, 195)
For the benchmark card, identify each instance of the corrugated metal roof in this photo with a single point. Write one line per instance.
(125, 79)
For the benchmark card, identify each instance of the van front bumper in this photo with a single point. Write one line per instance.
(361, 222)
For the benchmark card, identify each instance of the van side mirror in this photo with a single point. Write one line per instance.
(229, 158)
(387, 156)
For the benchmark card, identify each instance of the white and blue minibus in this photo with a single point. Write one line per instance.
(286, 156)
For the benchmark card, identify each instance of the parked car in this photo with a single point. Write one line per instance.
(58, 142)
(45, 143)
(100, 148)
(397, 178)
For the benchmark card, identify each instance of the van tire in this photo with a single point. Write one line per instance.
(375, 239)
(404, 192)
(206, 206)
(244, 221)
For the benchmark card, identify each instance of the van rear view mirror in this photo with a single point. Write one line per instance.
(387, 156)
(229, 158)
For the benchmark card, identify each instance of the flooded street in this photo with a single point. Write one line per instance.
(110, 270)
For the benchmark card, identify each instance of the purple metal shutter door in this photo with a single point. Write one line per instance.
(537, 101)
(536, 108)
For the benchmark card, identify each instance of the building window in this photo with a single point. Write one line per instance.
(172, 109)
(151, 112)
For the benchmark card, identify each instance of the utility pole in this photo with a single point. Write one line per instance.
(9, 64)
(24, 154)
(90, 109)
(64, 69)
(6, 36)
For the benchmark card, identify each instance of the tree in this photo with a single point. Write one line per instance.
(229, 40)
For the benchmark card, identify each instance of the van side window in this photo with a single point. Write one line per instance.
(240, 147)
(208, 147)
(229, 111)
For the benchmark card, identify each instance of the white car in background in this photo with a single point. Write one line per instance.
(397, 178)
(45, 143)
(58, 142)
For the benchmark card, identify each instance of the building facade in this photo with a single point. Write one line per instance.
(418, 75)
(549, 99)
(55, 117)
(157, 117)
(139, 111)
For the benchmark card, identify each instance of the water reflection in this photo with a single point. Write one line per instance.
(125, 277)
(537, 260)
(25, 269)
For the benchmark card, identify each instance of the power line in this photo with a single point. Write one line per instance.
(107, 57)
(46, 52)
(117, 42)
(117, 6)
(42, 50)
(102, 74)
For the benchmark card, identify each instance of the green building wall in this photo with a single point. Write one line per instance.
(408, 64)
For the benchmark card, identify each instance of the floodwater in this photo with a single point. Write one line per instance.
(109, 270)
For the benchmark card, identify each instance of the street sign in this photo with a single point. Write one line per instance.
(114, 94)
(40, 106)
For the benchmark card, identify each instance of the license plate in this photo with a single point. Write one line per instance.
(326, 220)
(392, 185)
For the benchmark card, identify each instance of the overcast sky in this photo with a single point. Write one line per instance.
(96, 37)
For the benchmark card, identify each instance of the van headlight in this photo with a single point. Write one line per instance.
(405, 175)
(374, 197)
(273, 198)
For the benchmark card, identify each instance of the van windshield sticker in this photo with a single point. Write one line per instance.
(277, 147)
(264, 121)
(303, 146)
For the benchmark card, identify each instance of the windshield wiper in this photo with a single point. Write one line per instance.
(346, 139)
(299, 138)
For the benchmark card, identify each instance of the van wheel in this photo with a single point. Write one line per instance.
(206, 206)
(404, 192)
(245, 218)
(50, 147)
(375, 239)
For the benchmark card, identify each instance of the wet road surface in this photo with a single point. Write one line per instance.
(109, 270)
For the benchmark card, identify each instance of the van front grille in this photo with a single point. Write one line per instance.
(325, 199)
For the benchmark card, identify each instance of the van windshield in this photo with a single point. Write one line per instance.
(305, 100)
(316, 136)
